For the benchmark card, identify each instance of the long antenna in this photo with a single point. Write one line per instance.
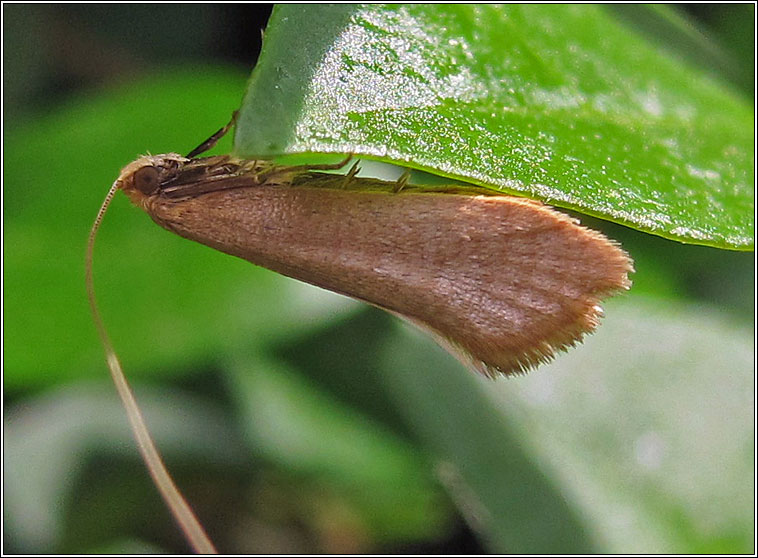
(176, 503)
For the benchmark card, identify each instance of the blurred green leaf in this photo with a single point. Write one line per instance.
(489, 470)
(294, 423)
(48, 441)
(153, 287)
(734, 26)
(562, 103)
(126, 546)
(640, 441)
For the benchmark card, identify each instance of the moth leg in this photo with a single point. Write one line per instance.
(250, 165)
(222, 160)
(350, 175)
(282, 174)
(213, 140)
(335, 166)
(402, 182)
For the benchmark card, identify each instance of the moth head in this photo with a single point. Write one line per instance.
(148, 174)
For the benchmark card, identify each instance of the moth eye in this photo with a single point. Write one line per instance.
(146, 180)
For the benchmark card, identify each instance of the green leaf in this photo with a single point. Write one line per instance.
(153, 288)
(639, 441)
(296, 424)
(491, 474)
(563, 103)
(49, 439)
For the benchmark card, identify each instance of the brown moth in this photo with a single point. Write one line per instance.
(503, 282)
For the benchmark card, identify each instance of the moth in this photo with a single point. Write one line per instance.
(503, 282)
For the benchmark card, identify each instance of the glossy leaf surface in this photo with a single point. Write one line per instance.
(566, 104)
